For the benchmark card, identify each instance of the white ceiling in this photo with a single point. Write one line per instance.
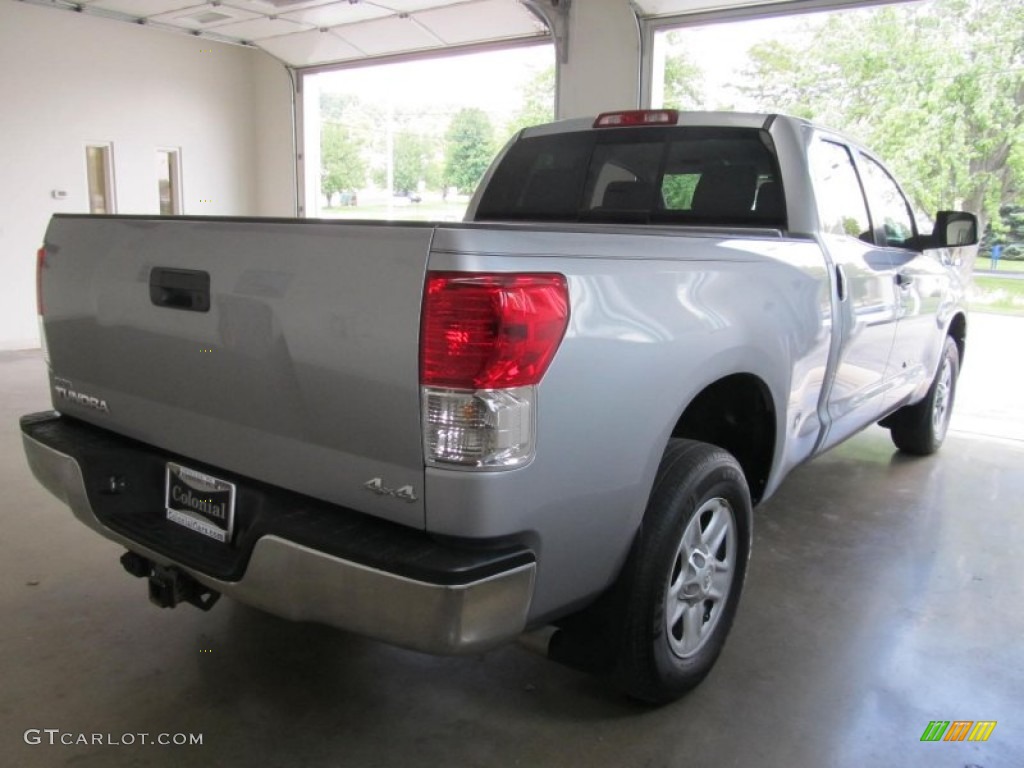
(308, 33)
(654, 8)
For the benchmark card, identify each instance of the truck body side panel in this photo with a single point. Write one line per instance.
(655, 319)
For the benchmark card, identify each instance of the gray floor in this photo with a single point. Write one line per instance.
(883, 593)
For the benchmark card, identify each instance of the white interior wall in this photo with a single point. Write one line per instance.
(275, 143)
(603, 70)
(70, 79)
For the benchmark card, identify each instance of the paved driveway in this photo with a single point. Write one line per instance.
(990, 400)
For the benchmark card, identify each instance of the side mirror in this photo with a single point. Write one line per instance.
(954, 229)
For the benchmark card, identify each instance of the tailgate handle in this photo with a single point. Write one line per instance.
(184, 289)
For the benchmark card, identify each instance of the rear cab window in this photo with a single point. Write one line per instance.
(684, 175)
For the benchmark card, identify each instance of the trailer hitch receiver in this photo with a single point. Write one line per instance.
(168, 585)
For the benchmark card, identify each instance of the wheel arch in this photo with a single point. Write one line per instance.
(736, 413)
(957, 330)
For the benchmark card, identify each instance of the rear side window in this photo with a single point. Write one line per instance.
(661, 175)
(841, 205)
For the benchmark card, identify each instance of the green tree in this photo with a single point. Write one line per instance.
(415, 159)
(936, 89)
(684, 80)
(469, 147)
(338, 107)
(537, 101)
(341, 161)
(1008, 231)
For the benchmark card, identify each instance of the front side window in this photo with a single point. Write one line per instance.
(841, 206)
(685, 175)
(893, 219)
(677, 190)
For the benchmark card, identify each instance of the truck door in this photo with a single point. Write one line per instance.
(921, 284)
(865, 311)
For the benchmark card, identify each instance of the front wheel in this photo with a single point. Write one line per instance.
(685, 572)
(919, 429)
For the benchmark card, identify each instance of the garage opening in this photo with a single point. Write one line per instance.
(930, 86)
(410, 140)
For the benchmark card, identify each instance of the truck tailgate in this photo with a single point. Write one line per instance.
(300, 369)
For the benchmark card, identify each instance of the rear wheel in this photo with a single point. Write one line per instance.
(685, 573)
(919, 429)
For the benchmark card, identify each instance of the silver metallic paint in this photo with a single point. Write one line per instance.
(304, 373)
(656, 318)
(325, 318)
(301, 584)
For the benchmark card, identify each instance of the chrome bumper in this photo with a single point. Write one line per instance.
(302, 584)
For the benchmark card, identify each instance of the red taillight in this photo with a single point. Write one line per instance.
(491, 331)
(635, 117)
(40, 263)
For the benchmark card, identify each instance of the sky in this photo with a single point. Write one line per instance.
(490, 80)
(720, 50)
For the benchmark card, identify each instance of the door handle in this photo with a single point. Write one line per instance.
(840, 282)
(183, 289)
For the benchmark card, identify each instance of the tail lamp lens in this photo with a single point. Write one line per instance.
(487, 340)
(491, 331)
(490, 428)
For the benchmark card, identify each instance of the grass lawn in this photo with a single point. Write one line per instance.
(995, 294)
(1003, 265)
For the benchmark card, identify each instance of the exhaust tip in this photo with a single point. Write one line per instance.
(538, 640)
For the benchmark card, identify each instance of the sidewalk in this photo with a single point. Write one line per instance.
(1002, 272)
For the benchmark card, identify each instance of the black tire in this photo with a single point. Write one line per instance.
(919, 429)
(652, 662)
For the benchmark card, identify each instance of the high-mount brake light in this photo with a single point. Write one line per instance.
(635, 117)
(486, 342)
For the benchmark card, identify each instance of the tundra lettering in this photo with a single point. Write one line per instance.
(64, 392)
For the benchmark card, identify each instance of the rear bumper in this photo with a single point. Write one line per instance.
(371, 577)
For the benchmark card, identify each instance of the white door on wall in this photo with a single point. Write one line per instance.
(99, 167)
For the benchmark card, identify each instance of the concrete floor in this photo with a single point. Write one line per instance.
(883, 593)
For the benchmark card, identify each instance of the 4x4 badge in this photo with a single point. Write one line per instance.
(405, 493)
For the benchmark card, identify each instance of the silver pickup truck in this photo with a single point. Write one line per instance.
(552, 420)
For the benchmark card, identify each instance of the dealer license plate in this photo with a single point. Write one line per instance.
(199, 502)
